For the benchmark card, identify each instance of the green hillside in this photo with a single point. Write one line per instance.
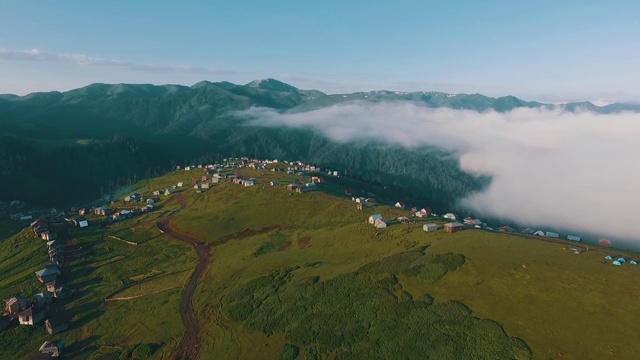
(173, 124)
(303, 275)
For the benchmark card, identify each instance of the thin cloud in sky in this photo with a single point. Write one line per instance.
(566, 170)
(81, 59)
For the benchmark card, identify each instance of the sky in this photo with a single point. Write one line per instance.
(552, 51)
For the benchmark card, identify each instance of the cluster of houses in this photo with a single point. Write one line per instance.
(32, 311)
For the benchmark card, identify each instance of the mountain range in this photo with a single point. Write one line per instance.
(102, 136)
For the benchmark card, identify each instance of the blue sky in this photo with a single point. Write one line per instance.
(543, 50)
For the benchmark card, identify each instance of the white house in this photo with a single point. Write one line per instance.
(157, 192)
(180, 184)
(169, 191)
(204, 185)
(83, 223)
(574, 238)
(374, 217)
(450, 216)
(380, 224)
(400, 204)
(539, 233)
(429, 227)
(248, 183)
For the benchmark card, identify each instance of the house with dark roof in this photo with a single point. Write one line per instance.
(42, 299)
(54, 348)
(48, 274)
(56, 325)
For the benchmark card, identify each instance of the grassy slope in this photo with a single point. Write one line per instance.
(560, 304)
(104, 268)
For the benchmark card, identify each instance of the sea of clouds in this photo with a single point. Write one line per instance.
(566, 170)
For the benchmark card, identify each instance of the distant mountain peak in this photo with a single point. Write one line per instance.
(272, 84)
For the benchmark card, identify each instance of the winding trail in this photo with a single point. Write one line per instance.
(190, 346)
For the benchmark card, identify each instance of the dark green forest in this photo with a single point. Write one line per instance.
(73, 147)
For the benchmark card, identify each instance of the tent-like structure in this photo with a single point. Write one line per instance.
(617, 263)
(633, 262)
(608, 257)
(604, 242)
(622, 260)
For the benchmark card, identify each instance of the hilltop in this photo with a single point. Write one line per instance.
(291, 274)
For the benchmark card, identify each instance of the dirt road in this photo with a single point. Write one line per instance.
(190, 346)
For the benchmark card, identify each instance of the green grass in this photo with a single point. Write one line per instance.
(106, 268)
(304, 276)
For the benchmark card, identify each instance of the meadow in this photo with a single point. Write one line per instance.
(304, 276)
(124, 297)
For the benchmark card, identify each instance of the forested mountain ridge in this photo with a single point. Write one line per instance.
(173, 124)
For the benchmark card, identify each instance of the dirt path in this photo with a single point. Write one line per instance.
(190, 346)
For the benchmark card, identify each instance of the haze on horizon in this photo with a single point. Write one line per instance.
(545, 51)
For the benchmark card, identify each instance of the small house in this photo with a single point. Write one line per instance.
(574, 238)
(539, 233)
(551, 234)
(56, 325)
(420, 214)
(180, 184)
(215, 179)
(380, 224)
(400, 205)
(374, 217)
(31, 316)
(248, 183)
(83, 223)
(133, 198)
(370, 200)
(49, 235)
(150, 201)
(292, 187)
(54, 348)
(156, 192)
(361, 206)
(42, 299)
(48, 274)
(360, 200)
(429, 227)
(453, 227)
(16, 304)
(204, 185)
(450, 216)
(168, 191)
(83, 211)
(275, 183)
(403, 219)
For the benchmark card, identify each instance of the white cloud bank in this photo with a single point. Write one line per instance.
(80, 59)
(576, 171)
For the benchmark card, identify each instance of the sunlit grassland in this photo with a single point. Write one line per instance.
(101, 269)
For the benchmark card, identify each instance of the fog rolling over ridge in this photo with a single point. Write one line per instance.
(568, 170)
